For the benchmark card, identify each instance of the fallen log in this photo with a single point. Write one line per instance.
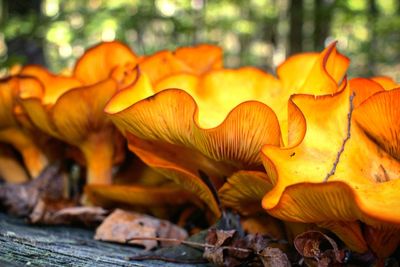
(27, 245)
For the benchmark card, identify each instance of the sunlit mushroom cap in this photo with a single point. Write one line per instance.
(12, 130)
(386, 82)
(194, 60)
(218, 121)
(99, 61)
(73, 112)
(54, 85)
(320, 180)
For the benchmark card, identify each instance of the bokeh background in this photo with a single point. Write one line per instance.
(262, 33)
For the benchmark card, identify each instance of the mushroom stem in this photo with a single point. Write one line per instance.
(11, 170)
(98, 152)
(34, 159)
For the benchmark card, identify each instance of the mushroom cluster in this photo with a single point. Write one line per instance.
(306, 148)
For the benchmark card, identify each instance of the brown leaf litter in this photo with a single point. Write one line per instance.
(122, 226)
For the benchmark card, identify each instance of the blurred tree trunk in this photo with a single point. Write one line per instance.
(296, 26)
(398, 7)
(323, 11)
(373, 14)
(244, 37)
(25, 45)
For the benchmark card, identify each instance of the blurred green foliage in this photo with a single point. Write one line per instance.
(252, 32)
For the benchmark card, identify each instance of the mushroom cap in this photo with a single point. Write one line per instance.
(365, 172)
(218, 121)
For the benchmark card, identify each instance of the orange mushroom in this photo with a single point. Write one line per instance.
(11, 170)
(192, 60)
(138, 186)
(335, 174)
(13, 132)
(217, 122)
(386, 82)
(363, 88)
(74, 113)
(99, 61)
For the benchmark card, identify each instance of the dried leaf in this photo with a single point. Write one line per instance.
(214, 255)
(20, 199)
(324, 262)
(44, 210)
(184, 253)
(48, 211)
(240, 254)
(87, 215)
(122, 226)
(310, 244)
(218, 238)
(257, 242)
(230, 249)
(272, 257)
(222, 245)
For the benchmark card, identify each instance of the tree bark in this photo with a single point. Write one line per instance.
(323, 11)
(373, 14)
(22, 244)
(296, 26)
(25, 45)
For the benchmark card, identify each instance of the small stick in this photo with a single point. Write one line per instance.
(166, 259)
(189, 243)
(349, 116)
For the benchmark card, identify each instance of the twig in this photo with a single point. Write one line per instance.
(183, 242)
(253, 254)
(166, 259)
(190, 243)
(349, 116)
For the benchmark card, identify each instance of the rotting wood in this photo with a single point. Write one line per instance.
(22, 245)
